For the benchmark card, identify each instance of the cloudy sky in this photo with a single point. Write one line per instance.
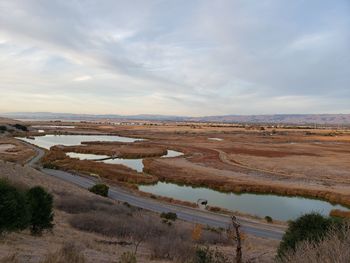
(180, 57)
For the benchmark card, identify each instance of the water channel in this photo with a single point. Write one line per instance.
(278, 207)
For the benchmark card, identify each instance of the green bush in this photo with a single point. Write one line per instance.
(13, 208)
(309, 227)
(50, 166)
(169, 216)
(268, 219)
(100, 189)
(207, 255)
(20, 127)
(40, 204)
(127, 257)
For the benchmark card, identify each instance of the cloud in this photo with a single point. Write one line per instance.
(82, 78)
(182, 57)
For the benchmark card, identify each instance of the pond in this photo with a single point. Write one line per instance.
(278, 207)
(54, 126)
(86, 156)
(48, 141)
(135, 164)
(171, 153)
(215, 139)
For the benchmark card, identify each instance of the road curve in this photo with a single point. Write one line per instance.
(252, 227)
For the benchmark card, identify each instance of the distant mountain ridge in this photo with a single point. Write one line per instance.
(330, 119)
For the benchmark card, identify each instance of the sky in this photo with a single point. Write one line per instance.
(179, 57)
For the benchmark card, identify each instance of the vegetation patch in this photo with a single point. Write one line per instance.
(130, 226)
(169, 216)
(311, 227)
(21, 209)
(100, 189)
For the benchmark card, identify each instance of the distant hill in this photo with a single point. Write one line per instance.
(7, 121)
(332, 119)
(329, 119)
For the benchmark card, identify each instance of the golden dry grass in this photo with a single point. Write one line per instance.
(93, 247)
(112, 172)
(19, 152)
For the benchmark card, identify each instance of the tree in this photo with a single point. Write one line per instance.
(13, 208)
(100, 189)
(20, 127)
(207, 255)
(309, 227)
(169, 216)
(235, 235)
(268, 219)
(40, 203)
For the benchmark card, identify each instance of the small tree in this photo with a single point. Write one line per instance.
(14, 213)
(20, 127)
(127, 257)
(100, 189)
(207, 255)
(169, 216)
(268, 219)
(40, 203)
(309, 227)
(3, 128)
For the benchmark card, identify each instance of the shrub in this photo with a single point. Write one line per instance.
(207, 255)
(333, 248)
(213, 238)
(127, 257)
(74, 205)
(100, 189)
(50, 166)
(103, 223)
(310, 227)
(12, 258)
(13, 208)
(169, 216)
(20, 127)
(3, 128)
(40, 203)
(171, 247)
(268, 219)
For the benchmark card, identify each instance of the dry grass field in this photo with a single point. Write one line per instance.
(95, 229)
(14, 151)
(287, 161)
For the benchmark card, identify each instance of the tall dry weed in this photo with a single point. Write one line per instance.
(69, 252)
(12, 258)
(334, 248)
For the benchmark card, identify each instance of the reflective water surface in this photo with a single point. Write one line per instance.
(50, 140)
(278, 207)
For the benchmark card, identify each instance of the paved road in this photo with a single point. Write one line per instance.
(189, 214)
